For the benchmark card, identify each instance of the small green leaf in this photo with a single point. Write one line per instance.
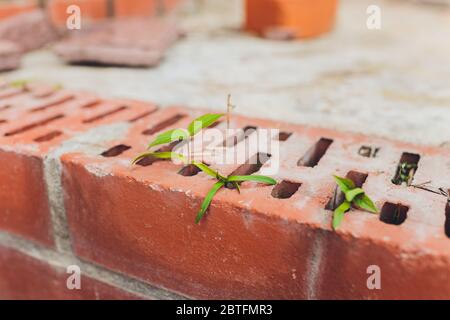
(338, 215)
(141, 156)
(255, 178)
(159, 155)
(236, 185)
(169, 136)
(364, 202)
(203, 122)
(351, 194)
(208, 170)
(208, 199)
(344, 184)
(19, 83)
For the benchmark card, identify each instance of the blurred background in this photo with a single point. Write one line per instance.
(320, 63)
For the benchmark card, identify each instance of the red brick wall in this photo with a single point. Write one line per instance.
(133, 226)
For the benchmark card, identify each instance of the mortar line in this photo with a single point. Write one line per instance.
(61, 260)
(314, 266)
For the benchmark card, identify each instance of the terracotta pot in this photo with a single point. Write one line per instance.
(9, 9)
(302, 18)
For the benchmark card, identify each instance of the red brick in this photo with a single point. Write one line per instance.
(29, 30)
(252, 245)
(121, 42)
(25, 278)
(10, 55)
(36, 122)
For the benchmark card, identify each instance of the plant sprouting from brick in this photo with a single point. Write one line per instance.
(224, 181)
(181, 134)
(174, 135)
(19, 83)
(405, 173)
(353, 196)
(24, 83)
(194, 127)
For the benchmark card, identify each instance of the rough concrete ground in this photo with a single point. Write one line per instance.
(391, 82)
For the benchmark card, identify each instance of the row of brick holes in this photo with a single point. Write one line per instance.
(391, 213)
(53, 134)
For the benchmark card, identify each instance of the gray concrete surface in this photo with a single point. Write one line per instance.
(392, 82)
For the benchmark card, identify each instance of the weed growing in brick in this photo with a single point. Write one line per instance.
(225, 181)
(405, 173)
(182, 134)
(194, 127)
(353, 196)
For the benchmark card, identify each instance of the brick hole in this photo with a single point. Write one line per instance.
(358, 178)
(34, 125)
(285, 189)
(43, 94)
(53, 104)
(148, 161)
(11, 92)
(48, 136)
(251, 166)
(105, 115)
(447, 217)
(338, 198)
(189, 171)
(392, 213)
(5, 107)
(240, 136)
(115, 151)
(283, 136)
(164, 124)
(401, 174)
(91, 104)
(214, 125)
(142, 116)
(315, 153)
(368, 152)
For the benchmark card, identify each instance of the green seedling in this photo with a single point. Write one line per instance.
(405, 173)
(19, 83)
(173, 135)
(222, 181)
(194, 127)
(22, 84)
(182, 134)
(353, 196)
